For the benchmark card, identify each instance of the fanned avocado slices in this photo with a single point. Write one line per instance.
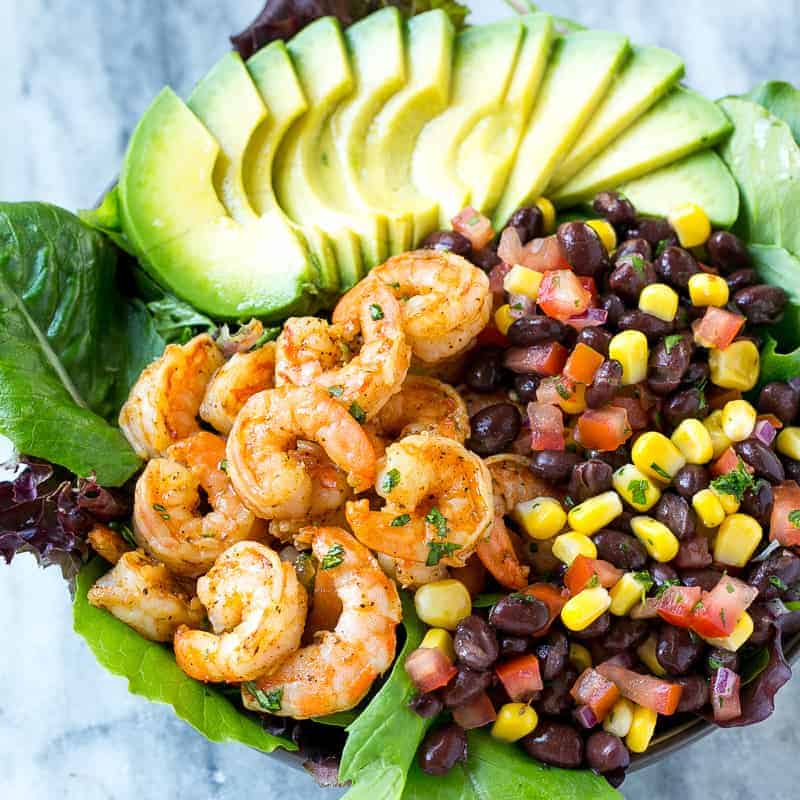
(677, 126)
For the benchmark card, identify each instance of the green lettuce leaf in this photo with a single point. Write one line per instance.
(501, 771)
(779, 267)
(151, 672)
(777, 366)
(106, 219)
(782, 100)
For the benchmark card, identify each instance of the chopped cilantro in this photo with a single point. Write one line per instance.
(722, 616)
(524, 598)
(736, 482)
(729, 588)
(562, 390)
(223, 465)
(474, 219)
(356, 412)
(671, 341)
(569, 502)
(333, 557)
(645, 579)
(660, 471)
(714, 663)
(439, 550)
(124, 531)
(269, 701)
(398, 522)
(592, 582)
(778, 583)
(438, 520)
(376, 312)
(161, 511)
(336, 391)
(794, 517)
(662, 245)
(637, 262)
(638, 490)
(390, 480)
(666, 585)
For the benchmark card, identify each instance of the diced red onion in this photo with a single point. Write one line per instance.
(585, 717)
(765, 432)
(591, 318)
(725, 699)
(476, 713)
(429, 669)
(510, 247)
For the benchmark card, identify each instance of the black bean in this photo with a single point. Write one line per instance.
(695, 693)
(763, 460)
(757, 502)
(528, 331)
(740, 279)
(620, 549)
(630, 275)
(607, 382)
(583, 248)
(792, 469)
(780, 399)
(615, 458)
(467, 684)
(617, 209)
(696, 373)
(674, 511)
(448, 241)
(556, 699)
(652, 327)
(597, 629)
(773, 576)
(595, 337)
(554, 466)
(442, 748)
(494, 429)
(513, 646)
(676, 650)
(525, 386)
(662, 573)
(614, 308)
(606, 752)
(704, 578)
(685, 404)
(555, 743)
(726, 251)
(589, 478)
(475, 643)
(638, 247)
(529, 222)
(426, 706)
(669, 360)
(553, 655)
(486, 259)
(654, 230)
(519, 615)
(763, 624)
(717, 658)
(690, 480)
(675, 266)
(484, 371)
(762, 304)
(625, 634)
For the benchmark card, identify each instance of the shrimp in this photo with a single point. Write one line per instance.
(267, 470)
(145, 595)
(107, 543)
(310, 351)
(257, 609)
(445, 301)
(163, 405)
(336, 671)
(411, 574)
(234, 383)
(438, 503)
(167, 521)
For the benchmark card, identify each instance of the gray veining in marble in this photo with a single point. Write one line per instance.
(74, 76)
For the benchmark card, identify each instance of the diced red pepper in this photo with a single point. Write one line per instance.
(583, 363)
(476, 713)
(561, 295)
(720, 609)
(543, 359)
(583, 569)
(726, 463)
(429, 669)
(603, 428)
(472, 224)
(521, 678)
(491, 337)
(654, 693)
(718, 328)
(547, 427)
(555, 599)
(593, 690)
(784, 524)
(677, 603)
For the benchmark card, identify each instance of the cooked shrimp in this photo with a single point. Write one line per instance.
(107, 543)
(167, 518)
(335, 672)
(445, 301)
(145, 595)
(257, 609)
(513, 482)
(234, 383)
(310, 351)
(438, 503)
(268, 470)
(498, 555)
(163, 405)
(411, 574)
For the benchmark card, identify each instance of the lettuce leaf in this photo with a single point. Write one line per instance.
(151, 672)
(782, 100)
(779, 267)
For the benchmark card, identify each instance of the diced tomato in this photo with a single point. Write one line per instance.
(676, 604)
(583, 569)
(717, 397)
(555, 599)
(593, 690)
(603, 428)
(654, 693)
(543, 359)
(429, 669)
(491, 337)
(726, 463)
(476, 713)
(725, 698)
(547, 427)
(582, 363)
(544, 255)
(569, 396)
(720, 609)
(784, 524)
(718, 328)
(562, 296)
(472, 224)
(589, 284)
(521, 678)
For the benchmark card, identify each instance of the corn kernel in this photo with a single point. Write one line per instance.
(631, 350)
(708, 508)
(581, 611)
(568, 546)
(708, 290)
(659, 300)
(647, 655)
(503, 318)
(643, 726)
(729, 503)
(575, 403)
(522, 280)
(443, 604)
(548, 214)
(514, 720)
(691, 224)
(579, 657)
(659, 541)
(541, 518)
(605, 230)
(735, 367)
(627, 592)
(719, 440)
(657, 457)
(737, 539)
(619, 719)
(788, 442)
(738, 420)
(737, 637)
(440, 639)
(692, 438)
(635, 488)
(595, 513)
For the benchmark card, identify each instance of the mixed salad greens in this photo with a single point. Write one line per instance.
(81, 319)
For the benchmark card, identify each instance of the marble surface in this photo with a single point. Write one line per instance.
(74, 76)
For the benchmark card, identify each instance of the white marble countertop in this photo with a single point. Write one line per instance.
(74, 76)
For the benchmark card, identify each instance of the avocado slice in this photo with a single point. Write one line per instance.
(483, 65)
(580, 71)
(680, 124)
(487, 154)
(392, 137)
(186, 237)
(701, 178)
(322, 65)
(274, 76)
(647, 76)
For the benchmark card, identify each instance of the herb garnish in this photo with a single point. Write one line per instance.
(223, 465)
(440, 550)
(562, 390)
(662, 245)
(398, 522)
(376, 312)
(736, 482)
(269, 701)
(778, 583)
(124, 531)
(645, 579)
(356, 412)
(333, 557)
(162, 512)
(438, 520)
(794, 517)
(638, 490)
(390, 480)
(660, 471)
(637, 262)
(336, 391)
(667, 584)
(671, 341)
